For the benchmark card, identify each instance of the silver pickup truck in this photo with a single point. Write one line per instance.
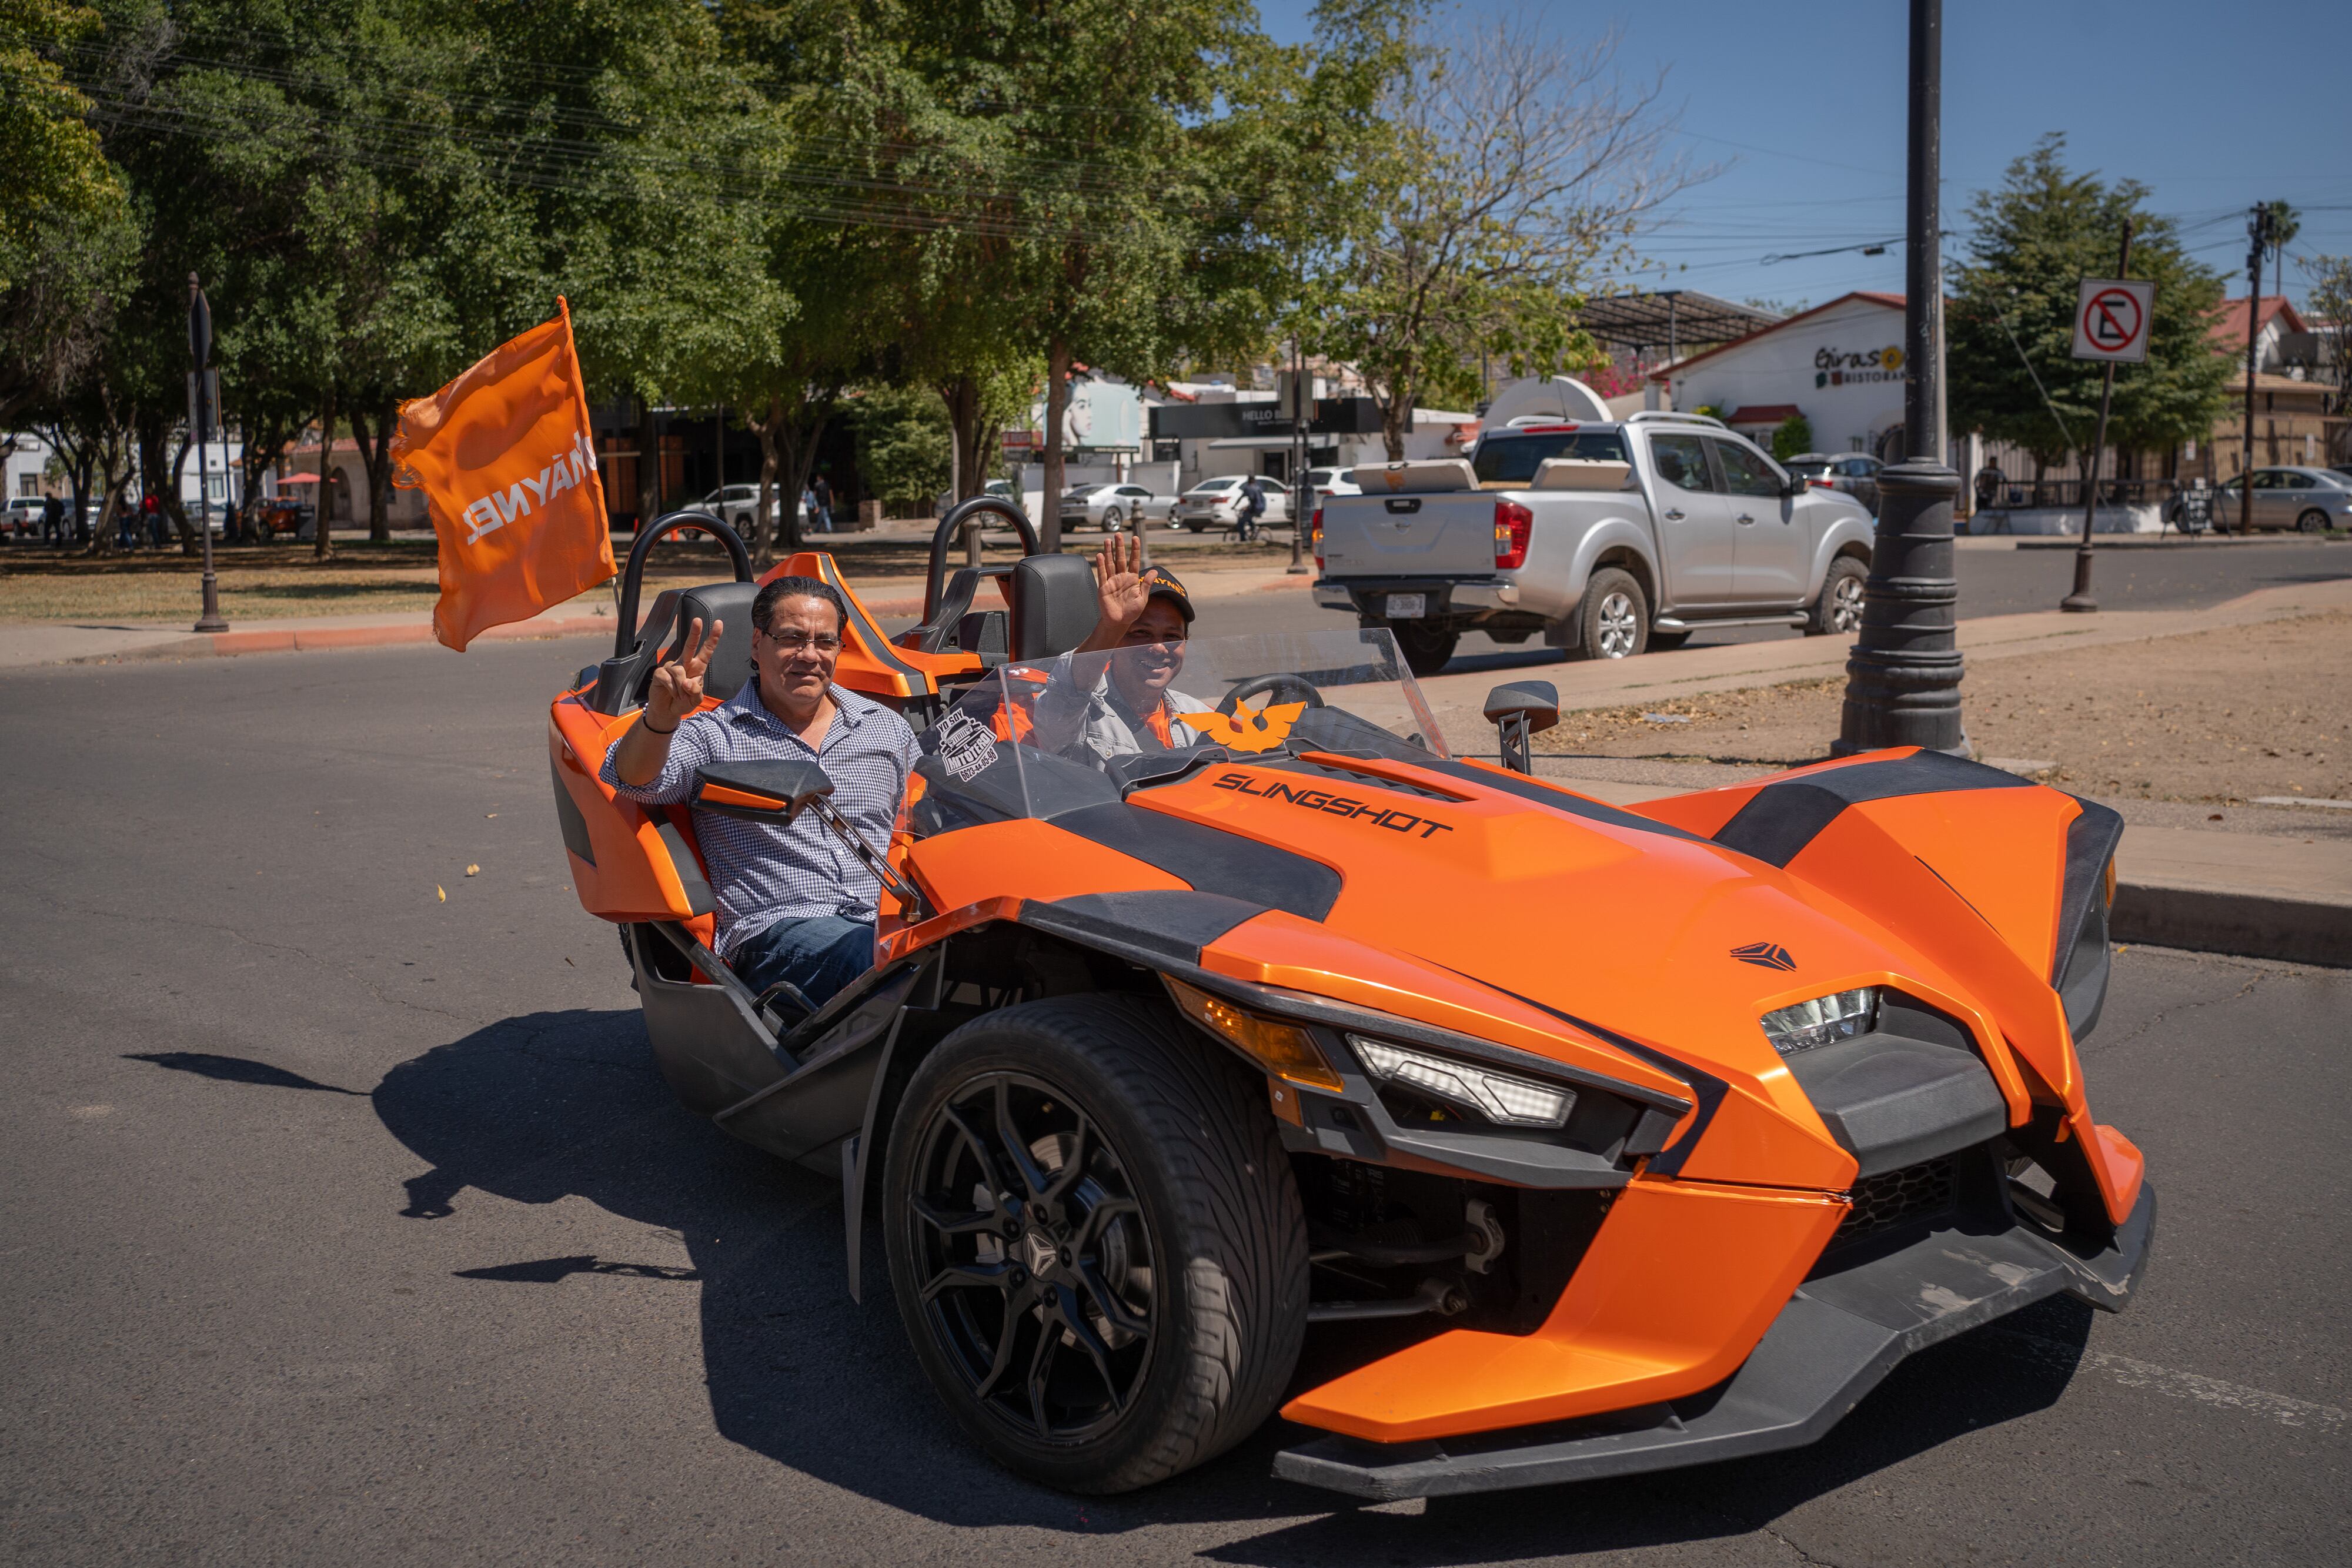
(1606, 539)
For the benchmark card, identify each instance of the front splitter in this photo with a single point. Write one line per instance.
(1840, 1334)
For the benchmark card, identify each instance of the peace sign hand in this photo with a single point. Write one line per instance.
(677, 689)
(1119, 588)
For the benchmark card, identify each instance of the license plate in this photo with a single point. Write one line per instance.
(1408, 606)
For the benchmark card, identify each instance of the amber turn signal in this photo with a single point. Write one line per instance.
(1284, 1049)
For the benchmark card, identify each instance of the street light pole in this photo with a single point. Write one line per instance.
(1903, 679)
(2258, 236)
(2082, 599)
(200, 350)
(1302, 408)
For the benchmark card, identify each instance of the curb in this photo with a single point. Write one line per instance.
(2246, 925)
(229, 645)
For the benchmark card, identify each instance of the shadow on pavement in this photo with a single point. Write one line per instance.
(551, 1106)
(233, 1070)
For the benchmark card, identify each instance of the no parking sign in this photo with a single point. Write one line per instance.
(2111, 319)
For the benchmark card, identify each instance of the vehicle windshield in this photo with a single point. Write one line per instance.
(1087, 729)
(1514, 459)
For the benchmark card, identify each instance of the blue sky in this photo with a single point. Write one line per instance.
(2212, 108)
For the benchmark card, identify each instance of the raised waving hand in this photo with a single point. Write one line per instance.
(677, 689)
(1120, 590)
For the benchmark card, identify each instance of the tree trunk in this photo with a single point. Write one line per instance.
(1396, 422)
(967, 467)
(375, 459)
(649, 498)
(158, 479)
(324, 547)
(763, 530)
(1057, 402)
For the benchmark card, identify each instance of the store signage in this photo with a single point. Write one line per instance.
(1837, 368)
(1218, 421)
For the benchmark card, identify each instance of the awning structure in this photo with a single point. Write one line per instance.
(1674, 319)
(298, 478)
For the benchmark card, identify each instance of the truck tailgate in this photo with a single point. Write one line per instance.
(1443, 535)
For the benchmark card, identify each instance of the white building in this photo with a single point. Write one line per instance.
(28, 457)
(1840, 365)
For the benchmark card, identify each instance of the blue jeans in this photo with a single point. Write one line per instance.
(820, 954)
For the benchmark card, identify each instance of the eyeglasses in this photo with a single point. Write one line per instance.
(794, 641)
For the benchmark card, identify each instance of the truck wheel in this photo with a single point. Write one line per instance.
(1839, 608)
(1426, 648)
(1095, 1241)
(1616, 616)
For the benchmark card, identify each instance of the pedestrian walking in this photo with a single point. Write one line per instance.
(53, 522)
(821, 504)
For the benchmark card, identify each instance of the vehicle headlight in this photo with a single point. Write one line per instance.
(1500, 1097)
(1840, 1015)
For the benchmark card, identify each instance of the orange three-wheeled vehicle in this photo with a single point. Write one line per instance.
(1640, 1137)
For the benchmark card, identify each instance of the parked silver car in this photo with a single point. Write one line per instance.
(2308, 500)
(1852, 473)
(1606, 539)
(1111, 506)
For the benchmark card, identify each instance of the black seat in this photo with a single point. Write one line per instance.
(1053, 605)
(620, 682)
(730, 605)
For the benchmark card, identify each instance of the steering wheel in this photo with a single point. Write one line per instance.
(1294, 688)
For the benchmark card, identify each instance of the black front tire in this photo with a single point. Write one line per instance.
(2311, 522)
(1666, 642)
(1095, 1241)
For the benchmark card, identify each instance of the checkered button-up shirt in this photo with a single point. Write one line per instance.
(762, 873)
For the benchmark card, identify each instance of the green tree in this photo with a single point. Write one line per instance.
(65, 250)
(2330, 300)
(1492, 183)
(1794, 434)
(2285, 224)
(2034, 240)
(902, 446)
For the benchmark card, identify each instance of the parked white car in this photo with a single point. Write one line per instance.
(22, 518)
(1333, 482)
(1112, 506)
(739, 506)
(1212, 502)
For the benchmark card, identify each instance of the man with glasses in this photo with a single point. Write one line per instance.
(795, 907)
(1096, 707)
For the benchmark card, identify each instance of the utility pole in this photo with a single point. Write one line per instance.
(1302, 410)
(1903, 678)
(2080, 599)
(2258, 237)
(200, 353)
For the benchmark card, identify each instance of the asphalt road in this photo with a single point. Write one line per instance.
(347, 1225)
(1992, 582)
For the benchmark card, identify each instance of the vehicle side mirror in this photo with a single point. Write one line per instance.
(1518, 712)
(767, 790)
(1792, 484)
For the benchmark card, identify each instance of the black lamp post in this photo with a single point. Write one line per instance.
(1903, 679)
(200, 418)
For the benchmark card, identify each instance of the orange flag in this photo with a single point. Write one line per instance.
(507, 464)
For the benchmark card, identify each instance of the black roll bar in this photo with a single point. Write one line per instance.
(935, 579)
(633, 576)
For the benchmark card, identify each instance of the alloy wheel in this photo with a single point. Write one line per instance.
(1845, 607)
(1039, 1272)
(1619, 627)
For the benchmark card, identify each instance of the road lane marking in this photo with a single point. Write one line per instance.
(2282, 1408)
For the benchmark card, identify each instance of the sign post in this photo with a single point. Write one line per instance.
(2111, 322)
(202, 394)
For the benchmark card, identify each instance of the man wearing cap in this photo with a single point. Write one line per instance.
(1135, 651)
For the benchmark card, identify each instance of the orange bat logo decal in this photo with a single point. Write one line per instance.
(1247, 728)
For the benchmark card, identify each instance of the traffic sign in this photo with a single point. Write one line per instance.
(2111, 319)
